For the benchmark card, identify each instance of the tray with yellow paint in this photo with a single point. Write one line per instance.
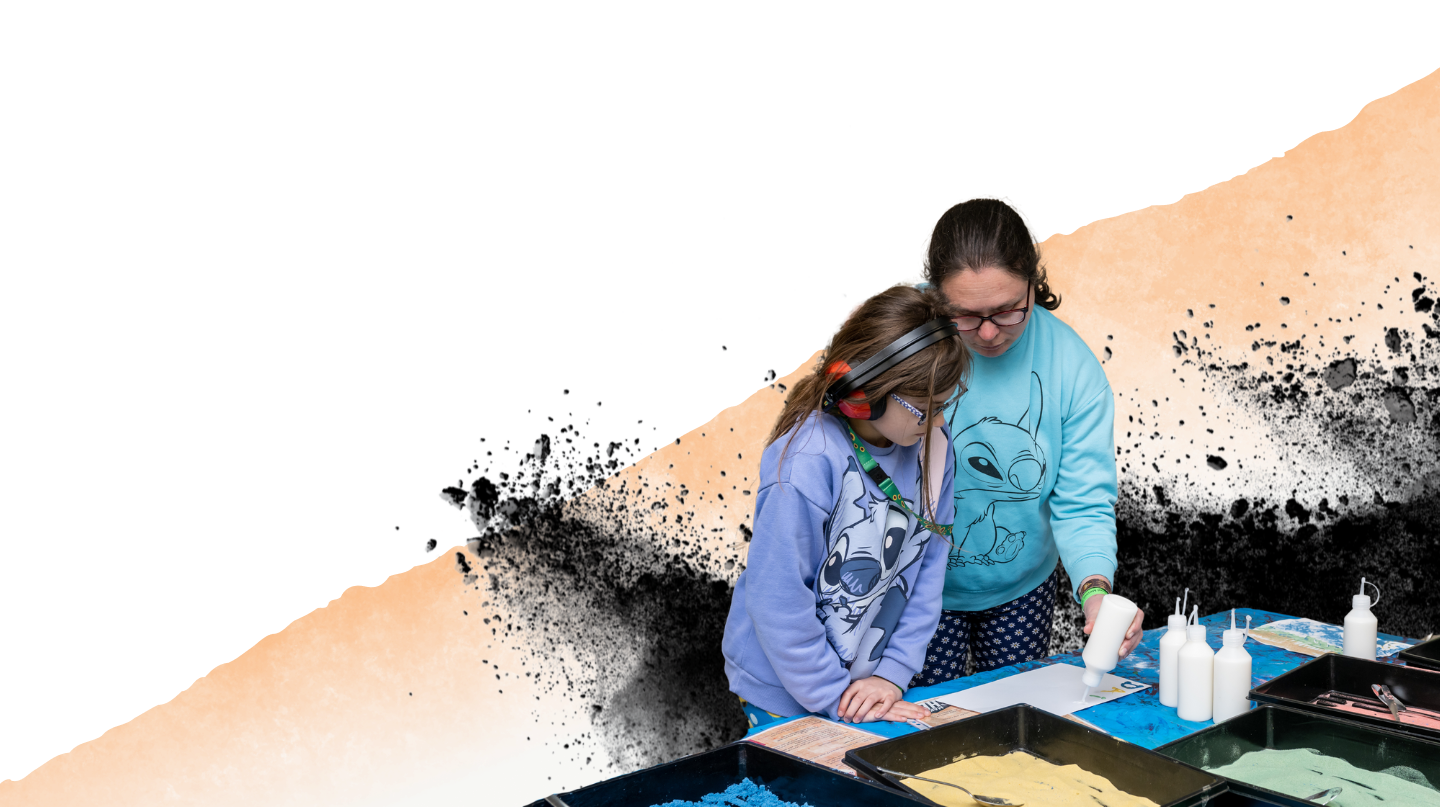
(1021, 753)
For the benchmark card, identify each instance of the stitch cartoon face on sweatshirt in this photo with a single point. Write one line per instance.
(996, 462)
(859, 591)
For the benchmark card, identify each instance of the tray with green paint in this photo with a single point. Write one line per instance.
(1351, 752)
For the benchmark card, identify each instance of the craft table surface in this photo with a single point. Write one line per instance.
(1138, 718)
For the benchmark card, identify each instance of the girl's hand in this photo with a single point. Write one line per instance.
(905, 710)
(867, 699)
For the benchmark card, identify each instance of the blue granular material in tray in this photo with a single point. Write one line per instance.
(744, 794)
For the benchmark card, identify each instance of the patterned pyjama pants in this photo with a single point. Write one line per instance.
(1006, 634)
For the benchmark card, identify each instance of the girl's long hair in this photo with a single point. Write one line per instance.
(925, 379)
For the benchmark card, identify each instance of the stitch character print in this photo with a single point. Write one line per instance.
(859, 592)
(997, 462)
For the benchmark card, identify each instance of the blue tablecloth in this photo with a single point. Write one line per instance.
(1138, 718)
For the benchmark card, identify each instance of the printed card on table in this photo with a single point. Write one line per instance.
(941, 713)
(817, 740)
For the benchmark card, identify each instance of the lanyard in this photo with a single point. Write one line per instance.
(882, 480)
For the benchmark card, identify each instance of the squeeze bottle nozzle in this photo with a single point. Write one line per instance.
(1233, 637)
(1362, 600)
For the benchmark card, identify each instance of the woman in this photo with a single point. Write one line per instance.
(1034, 451)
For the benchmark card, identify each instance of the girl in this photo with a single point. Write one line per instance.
(842, 587)
(1035, 451)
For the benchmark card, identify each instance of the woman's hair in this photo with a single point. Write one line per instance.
(925, 379)
(987, 232)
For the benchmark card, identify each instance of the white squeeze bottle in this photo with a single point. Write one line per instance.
(1170, 645)
(1360, 624)
(1196, 662)
(1102, 649)
(1232, 674)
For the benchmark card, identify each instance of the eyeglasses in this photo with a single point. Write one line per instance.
(1003, 319)
(916, 412)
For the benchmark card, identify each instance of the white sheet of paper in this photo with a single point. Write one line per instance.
(1057, 689)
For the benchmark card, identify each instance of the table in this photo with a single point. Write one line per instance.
(1138, 718)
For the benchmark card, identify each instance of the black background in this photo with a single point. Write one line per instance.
(189, 183)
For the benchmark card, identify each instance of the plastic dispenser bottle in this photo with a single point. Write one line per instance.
(1360, 624)
(1170, 645)
(1196, 663)
(1232, 674)
(1102, 649)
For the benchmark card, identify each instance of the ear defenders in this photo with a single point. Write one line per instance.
(847, 393)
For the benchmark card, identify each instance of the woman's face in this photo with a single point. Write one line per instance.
(982, 292)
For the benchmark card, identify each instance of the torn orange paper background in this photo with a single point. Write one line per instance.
(405, 692)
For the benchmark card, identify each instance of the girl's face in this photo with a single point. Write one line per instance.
(980, 293)
(899, 425)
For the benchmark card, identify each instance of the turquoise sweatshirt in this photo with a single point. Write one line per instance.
(1034, 441)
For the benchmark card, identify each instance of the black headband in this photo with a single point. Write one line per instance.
(936, 330)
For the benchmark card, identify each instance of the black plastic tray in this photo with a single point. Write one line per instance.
(1353, 676)
(1129, 767)
(791, 778)
(1232, 799)
(1286, 729)
(1425, 654)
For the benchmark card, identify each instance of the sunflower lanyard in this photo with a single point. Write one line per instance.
(882, 480)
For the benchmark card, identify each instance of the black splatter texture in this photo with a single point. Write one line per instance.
(619, 613)
(1339, 477)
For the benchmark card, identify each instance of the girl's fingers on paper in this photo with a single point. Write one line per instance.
(901, 711)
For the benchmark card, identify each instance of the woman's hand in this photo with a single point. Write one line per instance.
(868, 699)
(1132, 636)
